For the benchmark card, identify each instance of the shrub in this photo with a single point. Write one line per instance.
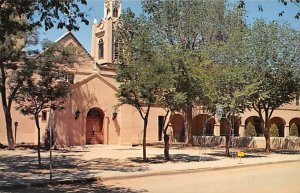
(250, 130)
(274, 132)
(294, 130)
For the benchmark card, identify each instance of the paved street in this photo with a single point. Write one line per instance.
(279, 178)
(19, 169)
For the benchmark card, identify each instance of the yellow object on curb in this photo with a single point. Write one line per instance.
(241, 154)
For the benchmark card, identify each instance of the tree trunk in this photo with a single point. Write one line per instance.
(36, 117)
(167, 146)
(267, 135)
(9, 130)
(188, 125)
(144, 138)
(227, 137)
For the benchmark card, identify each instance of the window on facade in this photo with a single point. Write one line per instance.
(115, 12)
(100, 48)
(107, 11)
(297, 99)
(44, 115)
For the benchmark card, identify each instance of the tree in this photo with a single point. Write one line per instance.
(171, 101)
(273, 55)
(46, 88)
(188, 26)
(136, 88)
(228, 90)
(294, 130)
(250, 130)
(25, 15)
(18, 19)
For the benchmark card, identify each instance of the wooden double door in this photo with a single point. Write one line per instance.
(94, 126)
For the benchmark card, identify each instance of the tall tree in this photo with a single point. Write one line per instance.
(188, 26)
(19, 18)
(47, 87)
(274, 57)
(142, 76)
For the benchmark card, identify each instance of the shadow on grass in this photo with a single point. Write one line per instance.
(175, 158)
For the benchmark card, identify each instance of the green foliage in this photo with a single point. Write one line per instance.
(188, 24)
(144, 74)
(24, 15)
(46, 88)
(18, 22)
(250, 130)
(274, 132)
(294, 130)
(241, 3)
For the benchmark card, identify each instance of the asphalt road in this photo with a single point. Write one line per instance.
(277, 178)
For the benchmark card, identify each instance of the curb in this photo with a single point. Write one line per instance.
(162, 173)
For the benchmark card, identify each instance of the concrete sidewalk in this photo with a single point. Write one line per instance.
(104, 162)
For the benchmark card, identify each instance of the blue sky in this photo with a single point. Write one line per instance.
(94, 8)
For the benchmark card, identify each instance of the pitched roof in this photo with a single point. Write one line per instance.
(74, 38)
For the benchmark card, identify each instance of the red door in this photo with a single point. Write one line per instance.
(94, 127)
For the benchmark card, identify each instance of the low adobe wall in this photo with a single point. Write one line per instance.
(291, 143)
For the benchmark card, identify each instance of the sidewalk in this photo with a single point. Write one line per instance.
(104, 162)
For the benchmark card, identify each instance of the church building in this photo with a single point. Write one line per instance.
(91, 116)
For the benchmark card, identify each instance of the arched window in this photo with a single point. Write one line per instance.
(107, 11)
(100, 48)
(115, 12)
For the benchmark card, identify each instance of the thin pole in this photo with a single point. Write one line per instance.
(16, 133)
(50, 153)
(233, 119)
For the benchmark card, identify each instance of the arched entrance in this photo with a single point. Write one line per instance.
(177, 123)
(201, 121)
(235, 123)
(94, 126)
(225, 127)
(257, 123)
(280, 123)
(296, 122)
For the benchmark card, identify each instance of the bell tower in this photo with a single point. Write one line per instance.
(104, 46)
(112, 8)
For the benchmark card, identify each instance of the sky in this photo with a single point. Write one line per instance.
(94, 9)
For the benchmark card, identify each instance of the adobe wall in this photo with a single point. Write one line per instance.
(26, 129)
(132, 125)
(290, 143)
(90, 94)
